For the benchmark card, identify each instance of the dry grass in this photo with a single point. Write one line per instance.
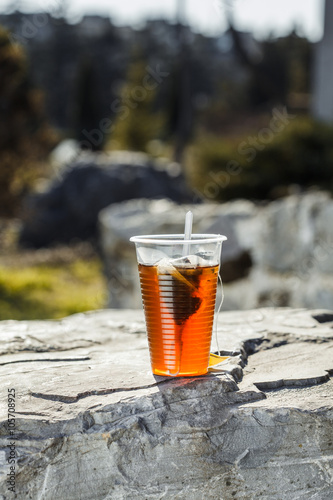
(47, 283)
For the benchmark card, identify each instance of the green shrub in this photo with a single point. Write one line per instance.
(301, 154)
(25, 136)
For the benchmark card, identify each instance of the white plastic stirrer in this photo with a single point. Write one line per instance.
(187, 232)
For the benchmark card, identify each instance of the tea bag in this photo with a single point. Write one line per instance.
(165, 267)
(179, 286)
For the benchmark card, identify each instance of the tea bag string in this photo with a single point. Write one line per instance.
(218, 312)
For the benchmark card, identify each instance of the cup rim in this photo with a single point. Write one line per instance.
(176, 239)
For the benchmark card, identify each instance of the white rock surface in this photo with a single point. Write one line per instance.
(294, 231)
(92, 422)
(290, 242)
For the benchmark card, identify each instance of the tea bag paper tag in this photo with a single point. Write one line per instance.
(216, 362)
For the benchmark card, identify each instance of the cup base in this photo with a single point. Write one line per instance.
(162, 373)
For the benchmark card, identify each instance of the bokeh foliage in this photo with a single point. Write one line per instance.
(136, 121)
(51, 291)
(25, 137)
(225, 168)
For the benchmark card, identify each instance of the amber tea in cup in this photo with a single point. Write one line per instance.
(178, 295)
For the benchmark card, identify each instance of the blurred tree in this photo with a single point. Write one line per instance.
(86, 110)
(180, 104)
(14, 5)
(298, 52)
(284, 67)
(268, 73)
(284, 70)
(25, 138)
(136, 120)
(181, 116)
(60, 9)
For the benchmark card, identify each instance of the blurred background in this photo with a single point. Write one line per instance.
(224, 106)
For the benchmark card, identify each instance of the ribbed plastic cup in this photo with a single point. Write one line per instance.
(178, 295)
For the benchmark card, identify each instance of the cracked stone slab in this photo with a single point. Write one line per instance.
(273, 368)
(93, 422)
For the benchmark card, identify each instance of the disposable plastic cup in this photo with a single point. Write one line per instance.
(178, 295)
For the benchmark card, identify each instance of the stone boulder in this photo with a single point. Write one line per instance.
(297, 234)
(69, 209)
(278, 254)
(92, 422)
